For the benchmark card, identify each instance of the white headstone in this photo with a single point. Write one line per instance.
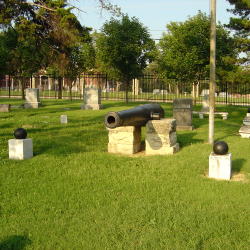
(92, 98)
(32, 98)
(64, 119)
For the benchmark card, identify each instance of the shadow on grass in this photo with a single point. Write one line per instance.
(187, 139)
(15, 242)
(237, 165)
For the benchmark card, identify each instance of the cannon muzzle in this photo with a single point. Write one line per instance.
(137, 116)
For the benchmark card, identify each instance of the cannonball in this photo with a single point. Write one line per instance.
(248, 110)
(20, 133)
(220, 148)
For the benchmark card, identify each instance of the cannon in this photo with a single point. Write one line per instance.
(137, 116)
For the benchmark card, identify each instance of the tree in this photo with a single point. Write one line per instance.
(184, 50)
(241, 26)
(123, 49)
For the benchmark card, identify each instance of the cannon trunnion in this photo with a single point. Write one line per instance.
(137, 116)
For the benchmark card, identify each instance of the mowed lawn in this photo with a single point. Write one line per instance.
(74, 195)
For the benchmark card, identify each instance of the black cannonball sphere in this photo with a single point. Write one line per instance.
(248, 110)
(20, 133)
(220, 148)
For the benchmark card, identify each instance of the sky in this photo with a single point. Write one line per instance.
(154, 14)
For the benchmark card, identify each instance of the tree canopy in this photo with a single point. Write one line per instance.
(241, 25)
(184, 49)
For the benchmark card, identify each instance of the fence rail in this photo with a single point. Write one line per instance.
(145, 88)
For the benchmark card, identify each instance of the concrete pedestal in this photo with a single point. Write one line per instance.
(32, 98)
(220, 166)
(64, 119)
(20, 149)
(161, 137)
(124, 140)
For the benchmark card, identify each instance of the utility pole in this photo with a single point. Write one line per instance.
(212, 83)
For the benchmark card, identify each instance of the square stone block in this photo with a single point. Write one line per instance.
(125, 135)
(162, 126)
(163, 150)
(220, 166)
(20, 149)
(156, 141)
(126, 149)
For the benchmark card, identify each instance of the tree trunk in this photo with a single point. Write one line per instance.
(22, 87)
(126, 90)
(60, 87)
(9, 85)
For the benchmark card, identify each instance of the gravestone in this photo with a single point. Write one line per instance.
(205, 103)
(4, 107)
(156, 91)
(160, 137)
(205, 92)
(32, 98)
(64, 119)
(182, 112)
(92, 98)
(245, 129)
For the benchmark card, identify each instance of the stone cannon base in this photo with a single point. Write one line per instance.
(124, 140)
(161, 137)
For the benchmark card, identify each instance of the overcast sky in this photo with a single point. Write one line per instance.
(154, 14)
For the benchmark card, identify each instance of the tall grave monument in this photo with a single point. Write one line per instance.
(182, 112)
(32, 99)
(92, 98)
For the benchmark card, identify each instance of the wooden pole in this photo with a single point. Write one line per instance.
(212, 83)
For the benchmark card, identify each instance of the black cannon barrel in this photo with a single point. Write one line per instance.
(137, 116)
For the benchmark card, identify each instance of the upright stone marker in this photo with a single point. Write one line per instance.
(205, 103)
(182, 112)
(92, 98)
(32, 98)
(4, 107)
(161, 137)
(64, 119)
(245, 129)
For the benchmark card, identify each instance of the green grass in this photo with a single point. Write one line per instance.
(74, 195)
